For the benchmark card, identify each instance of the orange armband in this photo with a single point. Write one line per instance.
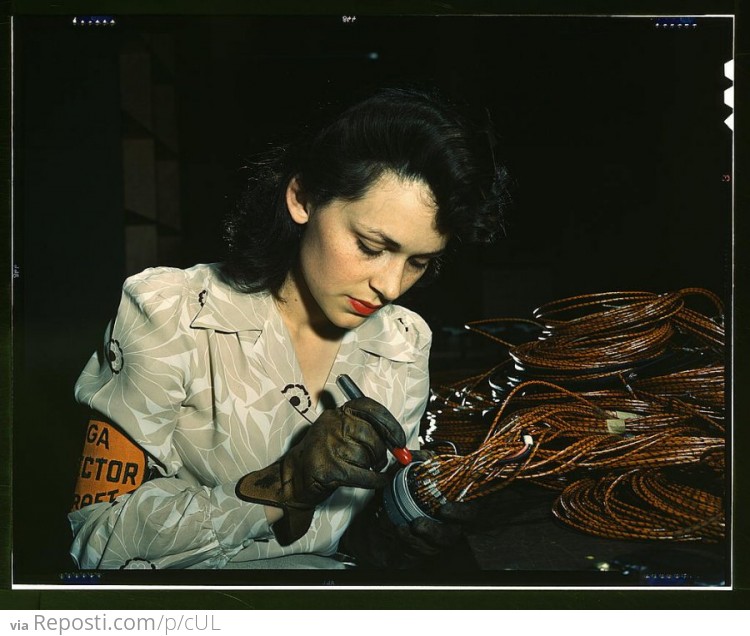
(111, 465)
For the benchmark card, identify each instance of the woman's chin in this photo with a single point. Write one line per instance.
(346, 321)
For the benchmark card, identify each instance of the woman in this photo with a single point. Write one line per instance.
(216, 439)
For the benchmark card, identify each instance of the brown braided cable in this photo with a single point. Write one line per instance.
(585, 440)
(639, 505)
(672, 419)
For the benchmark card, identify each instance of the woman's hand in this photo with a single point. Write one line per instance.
(343, 447)
(373, 541)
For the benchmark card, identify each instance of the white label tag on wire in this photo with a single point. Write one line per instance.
(617, 425)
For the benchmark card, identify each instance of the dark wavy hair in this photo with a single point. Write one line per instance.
(414, 134)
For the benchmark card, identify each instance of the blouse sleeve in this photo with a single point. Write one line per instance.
(137, 383)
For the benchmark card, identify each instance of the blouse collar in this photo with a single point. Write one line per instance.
(226, 310)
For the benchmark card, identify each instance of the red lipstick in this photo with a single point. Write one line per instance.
(363, 308)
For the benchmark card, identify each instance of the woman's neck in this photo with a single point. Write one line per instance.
(315, 339)
(301, 313)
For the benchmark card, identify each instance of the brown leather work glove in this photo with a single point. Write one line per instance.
(373, 541)
(343, 447)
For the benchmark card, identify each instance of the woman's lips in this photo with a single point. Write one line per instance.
(362, 307)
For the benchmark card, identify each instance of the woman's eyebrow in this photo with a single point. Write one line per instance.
(395, 245)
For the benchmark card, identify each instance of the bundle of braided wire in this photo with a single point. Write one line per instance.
(625, 455)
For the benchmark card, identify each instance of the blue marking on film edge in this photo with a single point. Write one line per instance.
(688, 21)
(81, 578)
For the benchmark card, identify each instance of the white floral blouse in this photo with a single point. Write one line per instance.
(205, 380)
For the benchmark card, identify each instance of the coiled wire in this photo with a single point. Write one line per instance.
(617, 404)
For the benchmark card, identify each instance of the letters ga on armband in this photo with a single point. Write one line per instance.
(111, 465)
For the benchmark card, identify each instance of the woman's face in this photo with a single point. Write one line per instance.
(357, 256)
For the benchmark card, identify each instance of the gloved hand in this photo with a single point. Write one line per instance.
(372, 540)
(343, 447)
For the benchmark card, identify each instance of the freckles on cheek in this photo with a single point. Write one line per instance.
(328, 261)
(342, 264)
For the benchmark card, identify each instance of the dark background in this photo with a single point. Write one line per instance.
(612, 129)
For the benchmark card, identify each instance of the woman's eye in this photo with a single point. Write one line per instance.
(419, 265)
(368, 250)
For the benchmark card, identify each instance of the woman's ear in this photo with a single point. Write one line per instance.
(295, 202)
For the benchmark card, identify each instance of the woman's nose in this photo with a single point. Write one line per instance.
(387, 282)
